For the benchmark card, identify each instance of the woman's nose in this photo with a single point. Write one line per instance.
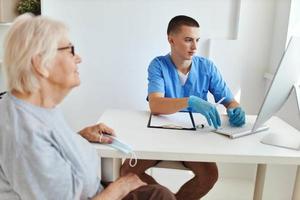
(77, 59)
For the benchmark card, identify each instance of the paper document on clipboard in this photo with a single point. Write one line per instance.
(178, 120)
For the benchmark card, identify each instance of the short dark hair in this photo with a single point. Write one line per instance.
(180, 20)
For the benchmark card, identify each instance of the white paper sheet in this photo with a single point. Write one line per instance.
(176, 120)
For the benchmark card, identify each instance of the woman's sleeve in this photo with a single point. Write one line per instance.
(38, 170)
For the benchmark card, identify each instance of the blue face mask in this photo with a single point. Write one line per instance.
(125, 148)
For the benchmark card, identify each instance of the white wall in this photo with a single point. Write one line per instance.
(243, 61)
(3, 30)
(294, 19)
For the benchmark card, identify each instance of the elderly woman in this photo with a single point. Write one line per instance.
(40, 156)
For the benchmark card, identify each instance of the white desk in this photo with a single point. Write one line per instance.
(178, 145)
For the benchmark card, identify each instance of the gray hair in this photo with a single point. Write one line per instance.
(30, 36)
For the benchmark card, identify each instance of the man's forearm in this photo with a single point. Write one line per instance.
(162, 105)
(232, 104)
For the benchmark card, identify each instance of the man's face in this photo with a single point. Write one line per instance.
(184, 43)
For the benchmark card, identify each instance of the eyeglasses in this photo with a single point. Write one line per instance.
(68, 47)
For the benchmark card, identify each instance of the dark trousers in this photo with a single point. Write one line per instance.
(150, 192)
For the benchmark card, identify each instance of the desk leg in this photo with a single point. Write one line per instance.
(296, 193)
(259, 181)
(110, 169)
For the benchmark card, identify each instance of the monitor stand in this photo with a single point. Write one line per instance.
(285, 140)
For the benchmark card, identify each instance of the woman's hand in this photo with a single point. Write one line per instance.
(120, 188)
(97, 133)
(129, 182)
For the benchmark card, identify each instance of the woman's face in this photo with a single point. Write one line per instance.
(63, 73)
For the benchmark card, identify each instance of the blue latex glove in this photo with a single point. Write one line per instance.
(236, 116)
(205, 108)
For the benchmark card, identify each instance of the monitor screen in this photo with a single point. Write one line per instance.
(286, 76)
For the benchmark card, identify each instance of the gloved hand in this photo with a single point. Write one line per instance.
(205, 108)
(236, 116)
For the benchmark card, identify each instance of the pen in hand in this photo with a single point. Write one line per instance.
(220, 101)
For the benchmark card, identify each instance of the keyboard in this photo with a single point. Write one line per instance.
(235, 132)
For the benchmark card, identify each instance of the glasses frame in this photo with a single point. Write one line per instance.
(68, 47)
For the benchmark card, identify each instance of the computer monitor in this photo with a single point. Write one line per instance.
(285, 80)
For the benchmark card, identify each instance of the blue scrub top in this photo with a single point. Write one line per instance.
(203, 77)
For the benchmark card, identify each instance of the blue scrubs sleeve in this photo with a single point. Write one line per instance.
(218, 86)
(155, 77)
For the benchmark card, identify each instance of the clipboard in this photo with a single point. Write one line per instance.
(183, 120)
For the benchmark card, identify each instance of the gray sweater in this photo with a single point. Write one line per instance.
(41, 157)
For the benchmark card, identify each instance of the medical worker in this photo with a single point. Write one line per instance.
(179, 81)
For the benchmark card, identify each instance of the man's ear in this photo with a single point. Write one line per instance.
(171, 40)
(39, 69)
